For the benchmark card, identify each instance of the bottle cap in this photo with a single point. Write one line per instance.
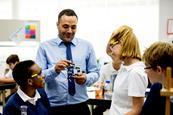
(107, 81)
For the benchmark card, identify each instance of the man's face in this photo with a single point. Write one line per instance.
(67, 26)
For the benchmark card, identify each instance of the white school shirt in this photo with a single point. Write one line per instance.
(106, 71)
(9, 74)
(130, 81)
(25, 97)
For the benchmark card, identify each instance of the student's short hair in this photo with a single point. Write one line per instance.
(13, 58)
(159, 54)
(67, 12)
(129, 42)
(22, 71)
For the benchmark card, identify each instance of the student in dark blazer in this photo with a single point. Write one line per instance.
(28, 75)
(157, 58)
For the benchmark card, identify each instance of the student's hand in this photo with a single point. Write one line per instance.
(62, 65)
(80, 78)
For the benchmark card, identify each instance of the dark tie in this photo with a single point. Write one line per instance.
(70, 70)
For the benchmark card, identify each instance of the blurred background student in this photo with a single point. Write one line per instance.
(11, 61)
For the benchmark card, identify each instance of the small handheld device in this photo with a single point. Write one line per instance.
(72, 69)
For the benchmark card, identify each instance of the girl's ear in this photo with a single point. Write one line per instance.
(30, 82)
(57, 24)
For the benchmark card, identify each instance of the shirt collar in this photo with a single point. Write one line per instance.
(27, 98)
(59, 41)
(128, 68)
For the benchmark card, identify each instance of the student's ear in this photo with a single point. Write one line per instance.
(159, 69)
(30, 81)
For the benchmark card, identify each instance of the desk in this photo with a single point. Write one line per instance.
(97, 101)
(106, 101)
(5, 86)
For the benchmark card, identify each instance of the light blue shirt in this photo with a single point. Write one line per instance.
(49, 53)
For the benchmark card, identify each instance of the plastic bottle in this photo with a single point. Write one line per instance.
(107, 85)
(107, 90)
(23, 109)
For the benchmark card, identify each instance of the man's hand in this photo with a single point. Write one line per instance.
(62, 65)
(80, 78)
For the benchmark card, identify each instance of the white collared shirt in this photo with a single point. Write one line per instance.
(9, 74)
(107, 72)
(130, 82)
(27, 98)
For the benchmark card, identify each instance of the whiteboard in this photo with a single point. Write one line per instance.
(19, 30)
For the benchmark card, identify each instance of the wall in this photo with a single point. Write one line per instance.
(165, 13)
(96, 23)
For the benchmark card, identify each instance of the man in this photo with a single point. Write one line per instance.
(58, 58)
(30, 93)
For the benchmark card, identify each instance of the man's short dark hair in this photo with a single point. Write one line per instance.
(67, 12)
(22, 71)
(13, 58)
